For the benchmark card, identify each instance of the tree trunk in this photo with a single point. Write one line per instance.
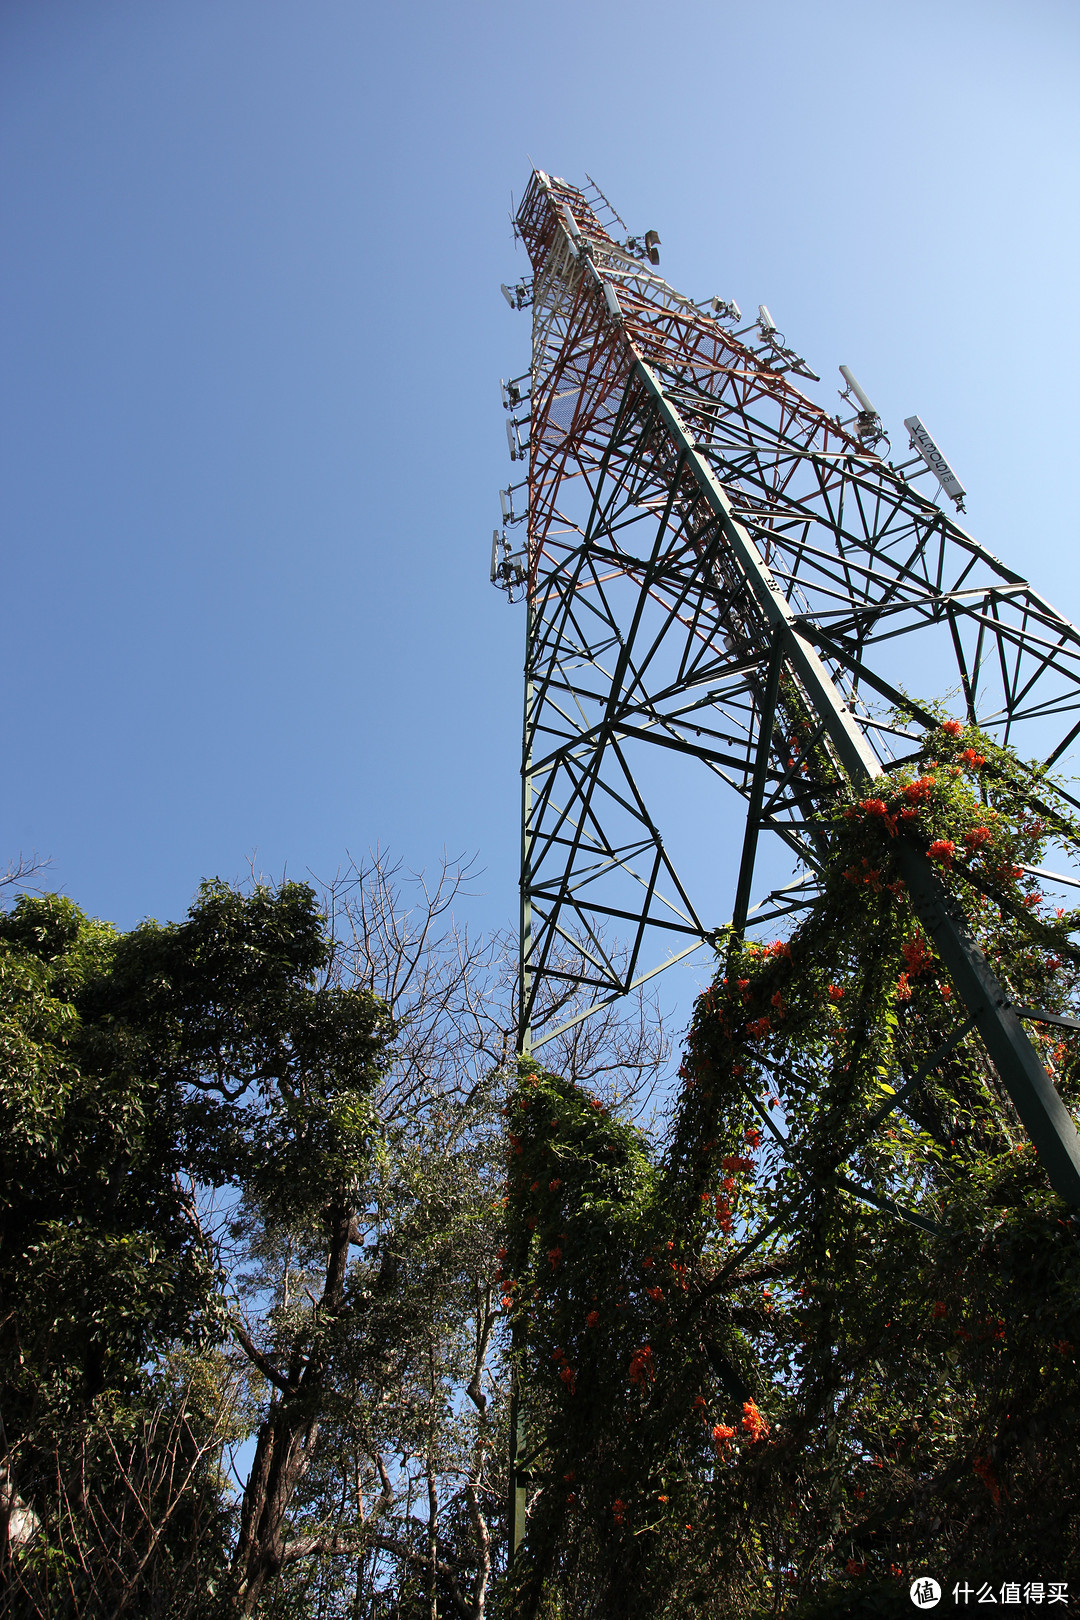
(285, 1439)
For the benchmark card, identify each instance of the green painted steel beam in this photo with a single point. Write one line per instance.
(1045, 1117)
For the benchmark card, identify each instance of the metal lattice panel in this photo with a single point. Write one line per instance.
(664, 449)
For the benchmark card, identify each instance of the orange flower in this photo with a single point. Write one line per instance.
(618, 1510)
(917, 792)
(642, 1370)
(984, 1468)
(942, 850)
(753, 1136)
(655, 1292)
(836, 992)
(555, 1255)
(952, 728)
(903, 988)
(593, 1319)
(874, 807)
(970, 757)
(554, 1185)
(977, 837)
(940, 1308)
(917, 955)
(722, 1435)
(753, 1422)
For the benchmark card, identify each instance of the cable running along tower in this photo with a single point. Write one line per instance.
(712, 566)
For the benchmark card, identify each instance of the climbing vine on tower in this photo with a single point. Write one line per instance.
(826, 1334)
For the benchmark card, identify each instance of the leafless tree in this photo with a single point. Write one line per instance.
(133, 1542)
(396, 1471)
(18, 872)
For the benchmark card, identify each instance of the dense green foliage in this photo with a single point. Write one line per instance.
(140, 1074)
(249, 1345)
(804, 1424)
(821, 1338)
(99, 1261)
(106, 1283)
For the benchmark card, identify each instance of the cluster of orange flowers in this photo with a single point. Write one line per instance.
(918, 792)
(984, 1469)
(753, 1422)
(736, 1162)
(566, 1372)
(722, 1435)
(642, 1370)
(917, 954)
(724, 1212)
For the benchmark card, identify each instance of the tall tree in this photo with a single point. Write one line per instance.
(103, 1272)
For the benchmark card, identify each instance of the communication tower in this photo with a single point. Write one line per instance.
(720, 571)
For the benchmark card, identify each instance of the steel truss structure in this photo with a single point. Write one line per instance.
(720, 576)
(715, 568)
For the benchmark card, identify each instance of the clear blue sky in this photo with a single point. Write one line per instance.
(252, 337)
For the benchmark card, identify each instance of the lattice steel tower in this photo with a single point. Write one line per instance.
(705, 552)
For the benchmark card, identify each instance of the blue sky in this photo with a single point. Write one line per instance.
(252, 337)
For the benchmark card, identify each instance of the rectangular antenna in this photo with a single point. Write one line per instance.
(928, 450)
